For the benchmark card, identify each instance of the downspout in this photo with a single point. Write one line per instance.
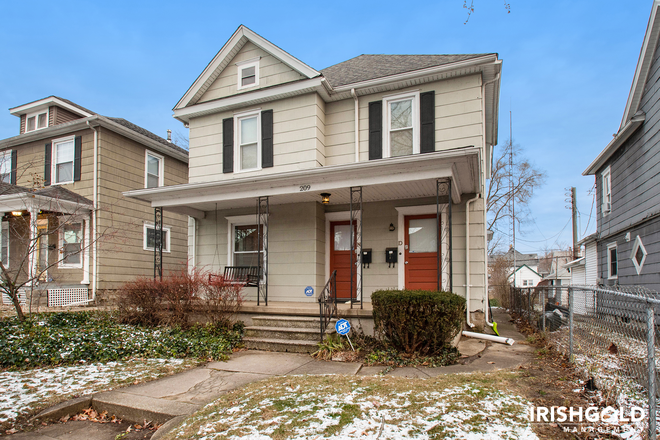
(467, 260)
(357, 125)
(95, 190)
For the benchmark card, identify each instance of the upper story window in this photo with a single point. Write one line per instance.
(612, 262)
(248, 141)
(63, 158)
(248, 73)
(153, 173)
(5, 166)
(36, 121)
(606, 179)
(401, 124)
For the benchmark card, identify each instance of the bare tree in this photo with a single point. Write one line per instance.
(470, 8)
(510, 182)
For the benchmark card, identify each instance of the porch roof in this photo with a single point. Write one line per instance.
(51, 198)
(384, 179)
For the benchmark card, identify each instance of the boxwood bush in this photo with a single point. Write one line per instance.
(418, 321)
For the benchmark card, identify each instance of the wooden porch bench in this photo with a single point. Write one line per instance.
(247, 275)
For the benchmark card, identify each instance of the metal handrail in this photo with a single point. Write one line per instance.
(328, 303)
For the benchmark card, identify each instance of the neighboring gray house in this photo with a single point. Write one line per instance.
(627, 176)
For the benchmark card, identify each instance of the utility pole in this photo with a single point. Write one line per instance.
(513, 197)
(575, 225)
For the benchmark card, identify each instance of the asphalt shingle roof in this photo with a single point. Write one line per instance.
(54, 191)
(368, 67)
(147, 133)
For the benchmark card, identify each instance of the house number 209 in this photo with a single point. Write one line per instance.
(305, 187)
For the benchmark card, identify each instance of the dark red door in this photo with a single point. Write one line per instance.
(421, 252)
(340, 256)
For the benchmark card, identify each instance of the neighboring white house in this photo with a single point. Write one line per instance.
(283, 156)
(525, 276)
(584, 270)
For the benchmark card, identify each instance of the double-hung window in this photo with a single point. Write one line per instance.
(401, 124)
(63, 158)
(248, 73)
(36, 121)
(5, 166)
(612, 262)
(150, 238)
(153, 173)
(606, 179)
(247, 245)
(248, 141)
(71, 244)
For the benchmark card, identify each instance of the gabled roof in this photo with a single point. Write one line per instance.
(368, 67)
(524, 265)
(227, 53)
(633, 117)
(51, 100)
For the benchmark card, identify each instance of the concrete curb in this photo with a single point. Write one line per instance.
(70, 407)
(167, 427)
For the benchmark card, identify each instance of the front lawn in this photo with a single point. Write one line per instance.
(313, 407)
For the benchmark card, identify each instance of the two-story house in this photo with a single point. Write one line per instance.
(65, 223)
(374, 168)
(627, 176)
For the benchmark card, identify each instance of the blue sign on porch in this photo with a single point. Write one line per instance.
(343, 327)
(309, 291)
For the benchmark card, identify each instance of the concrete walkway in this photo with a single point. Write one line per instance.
(175, 397)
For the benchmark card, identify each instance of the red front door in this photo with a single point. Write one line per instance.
(421, 252)
(340, 256)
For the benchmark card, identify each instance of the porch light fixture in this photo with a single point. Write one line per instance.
(392, 227)
(17, 213)
(325, 198)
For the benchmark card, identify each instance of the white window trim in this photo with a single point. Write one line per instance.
(60, 240)
(53, 160)
(232, 222)
(161, 168)
(5, 156)
(638, 244)
(606, 199)
(237, 137)
(609, 261)
(415, 118)
(252, 62)
(36, 120)
(166, 247)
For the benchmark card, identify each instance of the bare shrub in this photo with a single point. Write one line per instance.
(221, 299)
(139, 302)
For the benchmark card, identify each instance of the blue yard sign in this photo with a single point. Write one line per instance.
(343, 327)
(309, 291)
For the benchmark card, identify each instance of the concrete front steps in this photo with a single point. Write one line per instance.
(293, 334)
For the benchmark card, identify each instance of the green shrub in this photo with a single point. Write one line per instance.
(418, 321)
(494, 302)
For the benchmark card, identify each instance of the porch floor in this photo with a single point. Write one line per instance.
(304, 309)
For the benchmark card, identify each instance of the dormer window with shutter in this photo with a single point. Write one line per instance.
(248, 73)
(36, 121)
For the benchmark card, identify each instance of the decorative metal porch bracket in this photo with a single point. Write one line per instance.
(263, 210)
(158, 243)
(356, 245)
(444, 260)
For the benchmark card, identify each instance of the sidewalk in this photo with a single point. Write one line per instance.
(175, 397)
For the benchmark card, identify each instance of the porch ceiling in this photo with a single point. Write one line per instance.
(386, 179)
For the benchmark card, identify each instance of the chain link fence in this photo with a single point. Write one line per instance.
(612, 334)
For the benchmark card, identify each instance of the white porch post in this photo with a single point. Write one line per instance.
(86, 252)
(33, 245)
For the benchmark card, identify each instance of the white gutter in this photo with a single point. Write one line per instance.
(95, 200)
(357, 125)
(467, 260)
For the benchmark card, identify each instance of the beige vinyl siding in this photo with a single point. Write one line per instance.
(298, 139)
(271, 72)
(458, 118)
(121, 253)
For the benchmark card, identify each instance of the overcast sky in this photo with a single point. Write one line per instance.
(567, 66)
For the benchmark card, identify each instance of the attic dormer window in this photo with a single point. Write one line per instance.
(248, 73)
(36, 121)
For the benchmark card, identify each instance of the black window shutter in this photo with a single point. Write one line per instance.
(427, 119)
(375, 130)
(14, 166)
(228, 145)
(266, 138)
(49, 149)
(77, 165)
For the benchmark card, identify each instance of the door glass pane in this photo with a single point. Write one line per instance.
(422, 235)
(342, 237)
(401, 143)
